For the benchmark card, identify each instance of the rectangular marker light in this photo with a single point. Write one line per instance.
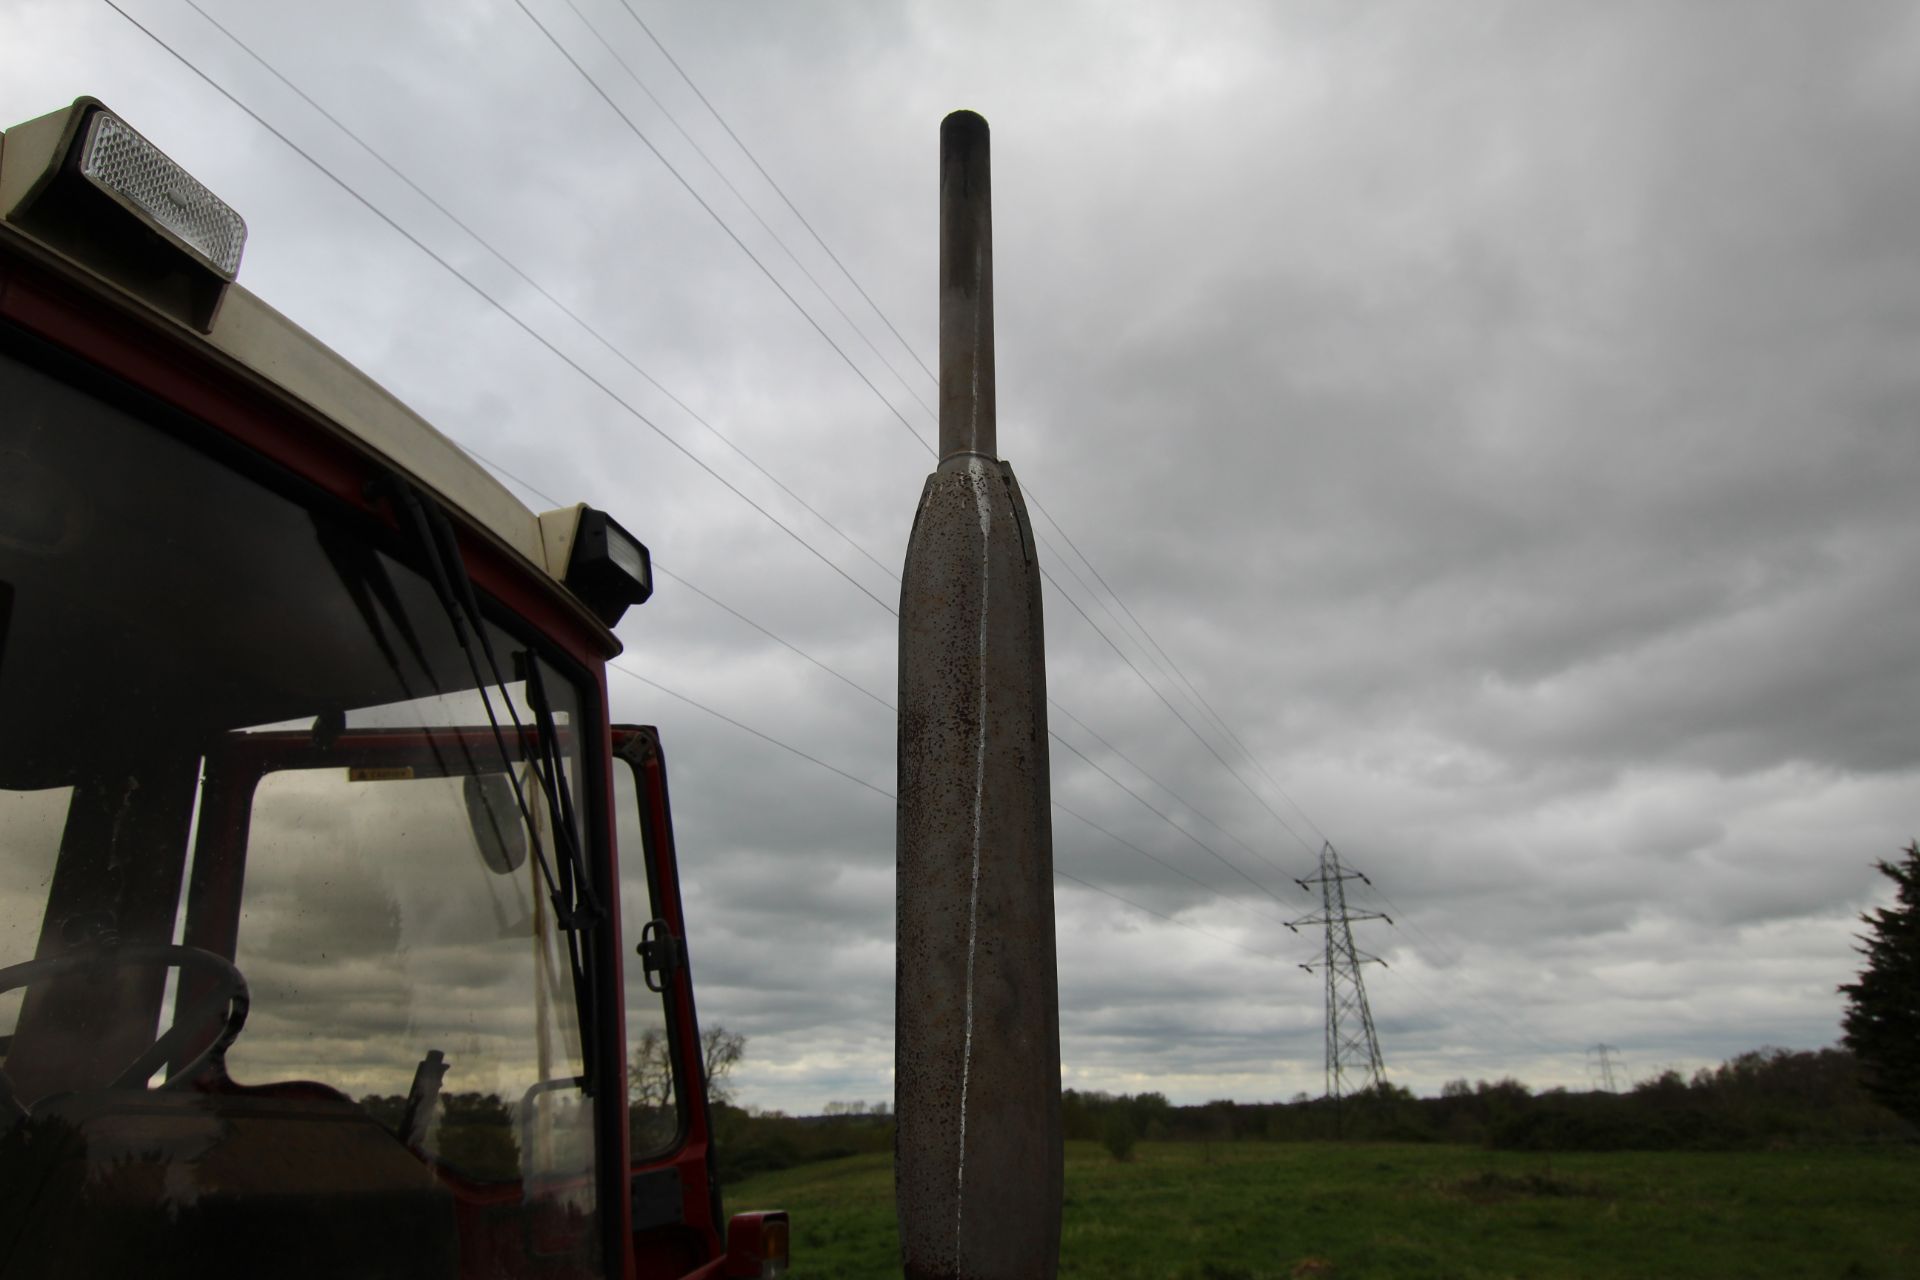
(138, 174)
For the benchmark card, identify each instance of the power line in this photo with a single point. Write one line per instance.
(534, 284)
(908, 347)
(1052, 734)
(1095, 597)
(621, 355)
(605, 389)
(1394, 908)
(1070, 812)
(719, 221)
(1166, 818)
(1067, 564)
(1396, 916)
(1218, 720)
(774, 636)
(1400, 974)
(633, 411)
(747, 728)
(714, 214)
(1206, 933)
(641, 135)
(880, 791)
(1125, 843)
(528, 329)
(744, 203)
(1155, 647)
(780, 191)
(1175, 710)
(1197, 812)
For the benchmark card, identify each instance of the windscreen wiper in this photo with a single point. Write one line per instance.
(363, 576)
(576, 908)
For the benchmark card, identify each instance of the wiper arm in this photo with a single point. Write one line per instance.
(576, 909)
(548, 764)
(443, 570)
(367, 583)
(574, 903)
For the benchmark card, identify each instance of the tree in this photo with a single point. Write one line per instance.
(650, 1068)
(1882, 1022)
(720, 1051)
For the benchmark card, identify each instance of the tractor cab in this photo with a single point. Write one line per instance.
(317, 953)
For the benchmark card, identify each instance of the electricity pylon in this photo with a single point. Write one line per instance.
(1605, 1053)
(1353, 1050)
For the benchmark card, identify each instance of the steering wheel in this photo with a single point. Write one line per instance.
(229, 994)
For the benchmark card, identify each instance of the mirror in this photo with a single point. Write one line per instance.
(497, 829)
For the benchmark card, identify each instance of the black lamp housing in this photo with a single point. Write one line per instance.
(609, 568)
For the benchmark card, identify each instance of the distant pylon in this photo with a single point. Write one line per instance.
(1353, 1050)
(1604, 1053)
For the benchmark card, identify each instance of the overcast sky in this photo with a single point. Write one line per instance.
(1502, 415)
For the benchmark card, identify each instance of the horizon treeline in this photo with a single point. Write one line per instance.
(1765, 1097)
(1762, 1099)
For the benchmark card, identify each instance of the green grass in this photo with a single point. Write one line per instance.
(1250, 1211)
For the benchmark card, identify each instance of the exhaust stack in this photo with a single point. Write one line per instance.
(977, 1169)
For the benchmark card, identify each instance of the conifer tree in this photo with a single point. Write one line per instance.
(1882, 1022)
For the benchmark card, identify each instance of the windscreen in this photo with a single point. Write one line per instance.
(249, 760)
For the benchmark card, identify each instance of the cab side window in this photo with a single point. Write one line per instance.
(653, 1092)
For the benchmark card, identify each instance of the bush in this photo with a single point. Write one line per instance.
(750, 1142)
(1119, 1137)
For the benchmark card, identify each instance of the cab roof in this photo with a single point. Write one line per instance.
(272, 348)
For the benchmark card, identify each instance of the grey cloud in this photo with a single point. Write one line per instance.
(1504, 416)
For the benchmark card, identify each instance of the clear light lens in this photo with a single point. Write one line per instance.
(120, 161)
(627, 557)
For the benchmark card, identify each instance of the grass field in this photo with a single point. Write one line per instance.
(1249, 1211)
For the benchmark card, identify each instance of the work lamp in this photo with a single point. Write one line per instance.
(609, 568)
(137, 175)
(85, 183)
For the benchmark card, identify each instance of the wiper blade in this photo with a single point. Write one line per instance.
(581, 902)
(444, 567)
(365, 579)
(576, 908)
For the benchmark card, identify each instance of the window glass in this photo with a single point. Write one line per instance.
(652, 1092)
(243, 741)
(400, 938)
(30, 825)
(377, 937)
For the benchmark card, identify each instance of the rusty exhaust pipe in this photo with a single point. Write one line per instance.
(977, 1159)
